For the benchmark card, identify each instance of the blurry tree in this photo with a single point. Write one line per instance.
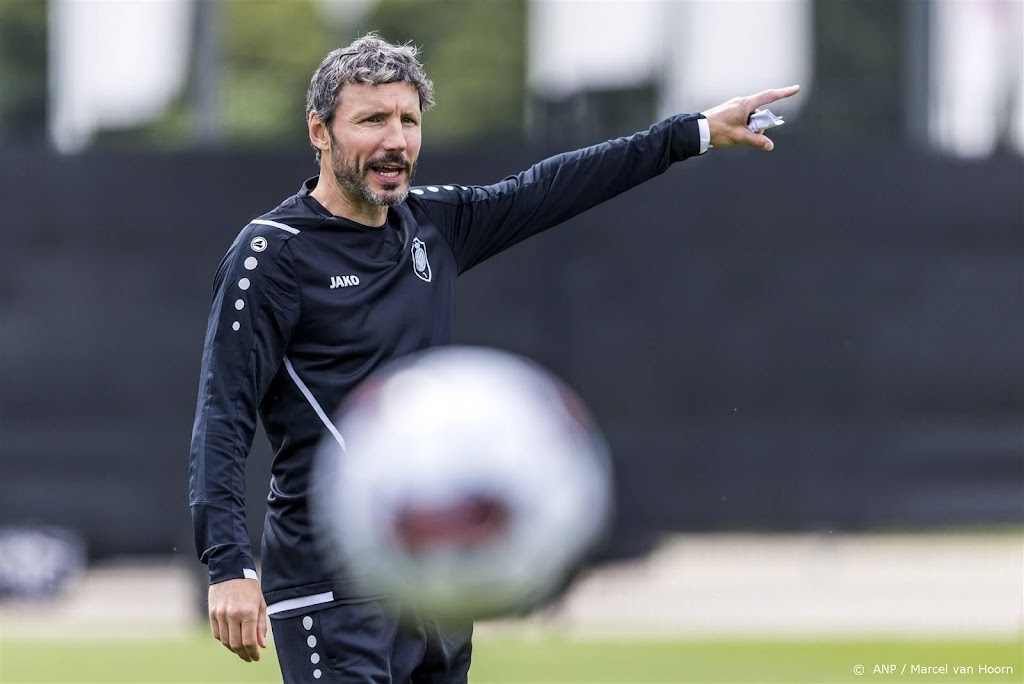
(475, 52)
(23, 69)
(269, 50)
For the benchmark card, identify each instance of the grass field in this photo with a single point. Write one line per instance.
(551, 660)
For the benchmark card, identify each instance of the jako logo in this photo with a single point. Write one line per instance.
(344, 281)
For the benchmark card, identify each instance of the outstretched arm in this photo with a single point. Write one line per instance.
(728, 121)
(481, 221)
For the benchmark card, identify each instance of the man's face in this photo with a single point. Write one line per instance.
(375, 141)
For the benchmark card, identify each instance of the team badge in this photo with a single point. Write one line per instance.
(420, 263)
(258, 244)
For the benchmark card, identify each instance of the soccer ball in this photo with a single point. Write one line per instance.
(464, 481)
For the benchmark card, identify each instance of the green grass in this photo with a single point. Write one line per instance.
(550, 660)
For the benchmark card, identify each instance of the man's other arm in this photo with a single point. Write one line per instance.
(255, 306)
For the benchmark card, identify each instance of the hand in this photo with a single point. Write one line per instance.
(238, 617)
(728, 122)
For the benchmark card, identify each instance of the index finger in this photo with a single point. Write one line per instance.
(768, 96)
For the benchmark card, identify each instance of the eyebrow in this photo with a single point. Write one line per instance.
(371, 110)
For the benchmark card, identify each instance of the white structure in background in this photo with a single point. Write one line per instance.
(579, 45)
(723, 48)
(114, 64)
(700, 53)
(344, 12)
(977, 76)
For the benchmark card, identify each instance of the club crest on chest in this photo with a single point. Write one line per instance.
(420, 263)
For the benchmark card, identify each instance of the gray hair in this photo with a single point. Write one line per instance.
(369, 59)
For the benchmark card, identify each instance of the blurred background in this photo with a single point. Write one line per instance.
(803, 361)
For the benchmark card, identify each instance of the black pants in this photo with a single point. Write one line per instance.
(371, 642)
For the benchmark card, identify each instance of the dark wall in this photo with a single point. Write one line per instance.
(802, 340)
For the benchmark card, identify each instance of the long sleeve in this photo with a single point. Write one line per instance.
(481, 221)
(255, 307)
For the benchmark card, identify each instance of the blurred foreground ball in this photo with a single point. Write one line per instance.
(466, 481)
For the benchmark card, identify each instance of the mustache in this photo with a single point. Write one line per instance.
(393, 159)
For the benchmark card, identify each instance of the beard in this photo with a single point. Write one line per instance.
(351, 176)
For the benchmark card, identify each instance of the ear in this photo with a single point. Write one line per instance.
(318, 135)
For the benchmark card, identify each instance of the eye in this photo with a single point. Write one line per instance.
(410, 120)
(374, 118)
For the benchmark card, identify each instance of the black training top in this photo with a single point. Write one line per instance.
(307, 304)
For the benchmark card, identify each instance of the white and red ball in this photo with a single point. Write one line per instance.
(466, 481)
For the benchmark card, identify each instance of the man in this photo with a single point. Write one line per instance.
(354, 270)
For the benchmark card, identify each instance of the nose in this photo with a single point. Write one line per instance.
(394, 139)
